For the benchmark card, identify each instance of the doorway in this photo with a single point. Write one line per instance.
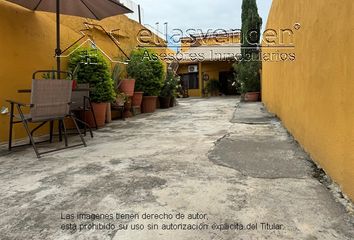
(226, 80)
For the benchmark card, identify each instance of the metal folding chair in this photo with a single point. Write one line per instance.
(50, 101)
(80, 104)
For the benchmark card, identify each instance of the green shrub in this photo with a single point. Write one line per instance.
(248, 76)
(171, 85)
(147, 72)
(213, 86)
(91, 67)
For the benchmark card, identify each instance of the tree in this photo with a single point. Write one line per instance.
(248, 77)
(251, 27)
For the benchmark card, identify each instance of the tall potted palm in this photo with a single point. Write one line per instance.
(95, 71)
(148, 74)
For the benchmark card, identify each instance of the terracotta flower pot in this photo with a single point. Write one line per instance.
(149, 104)
(137, 99)
(252, 96)
(165, 102)
(100, 112)
(127, 86)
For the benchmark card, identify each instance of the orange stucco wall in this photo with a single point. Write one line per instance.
(313, 95)
(27, 43)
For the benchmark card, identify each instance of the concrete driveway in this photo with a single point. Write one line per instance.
(198, 171)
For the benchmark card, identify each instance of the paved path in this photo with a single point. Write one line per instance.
(201, 158)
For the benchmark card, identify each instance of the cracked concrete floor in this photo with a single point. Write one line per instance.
(195, 158)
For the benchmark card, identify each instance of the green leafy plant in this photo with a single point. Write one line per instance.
(213, 87)
(121, 98)
(147, 72)
(91, 67)
(116, 72)
(248, 76)
(171, 85)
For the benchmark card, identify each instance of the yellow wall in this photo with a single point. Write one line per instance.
(314, 94)
(214, 68)
(211, 68)
(27, 41)
(183, 69)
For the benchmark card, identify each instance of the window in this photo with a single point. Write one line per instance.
(190, 81)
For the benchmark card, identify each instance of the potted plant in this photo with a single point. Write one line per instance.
(248, 78)
(213, 87)
(121, 98)
(102, 93)
(124, 85)
(176, 87)
(128, 107)
(94, 70)
(127, 86)
(137, 99)
(169, 90)
(165, 96)
(148, 74)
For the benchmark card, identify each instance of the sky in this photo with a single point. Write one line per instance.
(197, 14)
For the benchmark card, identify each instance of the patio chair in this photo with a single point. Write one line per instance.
(80, 104)
(50, 101)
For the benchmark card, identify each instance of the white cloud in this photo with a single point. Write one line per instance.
(198, 14)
